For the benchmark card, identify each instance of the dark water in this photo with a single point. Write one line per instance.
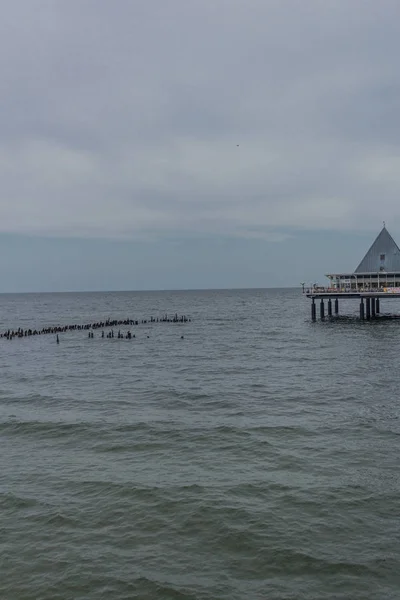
(257, 458)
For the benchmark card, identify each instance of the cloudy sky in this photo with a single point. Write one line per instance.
(153, 144)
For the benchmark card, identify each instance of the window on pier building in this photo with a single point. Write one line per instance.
(383, 257)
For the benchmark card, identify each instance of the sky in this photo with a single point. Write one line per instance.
(176, 144)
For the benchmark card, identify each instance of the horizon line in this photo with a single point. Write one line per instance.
(127, 291)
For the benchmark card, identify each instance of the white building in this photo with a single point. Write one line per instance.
(379, 269)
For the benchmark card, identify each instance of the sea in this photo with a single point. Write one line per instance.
(246, 454)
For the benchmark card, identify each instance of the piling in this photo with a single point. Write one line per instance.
(373, 311)
(362, 309)
(329, 307)
(377, 306)
(368, 307)
(336, 306)
(313, 311)
(322, 309)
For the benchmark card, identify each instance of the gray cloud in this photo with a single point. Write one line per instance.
(123, 119)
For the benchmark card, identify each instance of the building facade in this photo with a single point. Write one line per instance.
(378, 270)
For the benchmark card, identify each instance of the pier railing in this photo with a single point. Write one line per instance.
(352, 290)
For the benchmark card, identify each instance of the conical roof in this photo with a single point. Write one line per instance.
(384, 255)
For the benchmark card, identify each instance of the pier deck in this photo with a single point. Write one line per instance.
(353, 294)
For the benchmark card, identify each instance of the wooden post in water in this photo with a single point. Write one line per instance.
(368, 307)
(329, 307)
(313, 311)
(362, 309)
(322, 309)
(337, 306)
(373, 311)
(377, 306)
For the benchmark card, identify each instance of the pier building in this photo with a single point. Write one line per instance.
(376, 277)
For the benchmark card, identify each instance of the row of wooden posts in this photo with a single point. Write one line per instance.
(368, 311)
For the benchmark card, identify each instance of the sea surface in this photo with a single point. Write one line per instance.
(257, 458)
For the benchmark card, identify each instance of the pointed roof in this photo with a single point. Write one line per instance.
(384, 255)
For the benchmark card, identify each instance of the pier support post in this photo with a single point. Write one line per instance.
(362, 309)
(368, 307)
(329, 307)
(373, 311)
(377, 306)
(322, 309)
(313, 311)
(337, 306)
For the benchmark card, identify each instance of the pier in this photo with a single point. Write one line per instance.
(369, 303)
(377, 277)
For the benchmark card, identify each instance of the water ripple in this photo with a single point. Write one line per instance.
(256, 458)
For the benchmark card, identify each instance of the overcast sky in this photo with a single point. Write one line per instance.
(151, 144)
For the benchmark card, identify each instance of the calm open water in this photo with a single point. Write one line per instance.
(257, 458)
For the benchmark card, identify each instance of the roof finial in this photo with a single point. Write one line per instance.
(384, 224)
